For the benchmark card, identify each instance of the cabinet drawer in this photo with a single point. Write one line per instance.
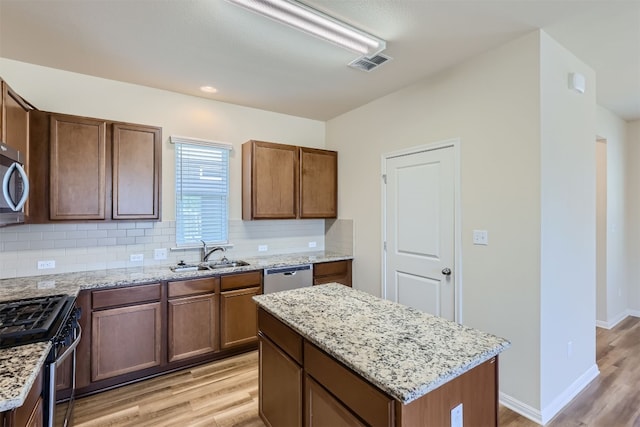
(192, 287)
(241, 280)
(285, 337)
(336, 268)
(126, 295)
(369, 403)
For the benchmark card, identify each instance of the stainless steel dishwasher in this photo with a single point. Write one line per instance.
(285, 278)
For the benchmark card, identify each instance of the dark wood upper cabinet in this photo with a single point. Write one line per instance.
(318, 183)
(78, 165)
(269, 181)
(136, 171)
(286, 182)
(14, 119)
(94, 169)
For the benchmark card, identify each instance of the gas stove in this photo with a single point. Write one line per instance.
(32, 320)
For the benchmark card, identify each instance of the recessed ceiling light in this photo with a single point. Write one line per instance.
(208, 89)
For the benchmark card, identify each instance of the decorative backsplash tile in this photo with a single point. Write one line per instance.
(99, 246)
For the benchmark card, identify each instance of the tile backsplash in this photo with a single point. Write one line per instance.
(99, 246)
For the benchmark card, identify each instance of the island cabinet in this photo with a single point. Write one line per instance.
(31, 413)
(282, 181)
(192, 321)
(302, 385)
(94, 169)
(238, 311)
(334, 271)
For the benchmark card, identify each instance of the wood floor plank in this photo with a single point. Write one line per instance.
(225, 393)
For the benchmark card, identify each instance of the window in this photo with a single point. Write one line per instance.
(202, 191)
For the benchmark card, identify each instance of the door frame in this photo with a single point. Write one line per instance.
(454, 143)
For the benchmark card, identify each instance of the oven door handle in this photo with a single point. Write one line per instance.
(71, 348)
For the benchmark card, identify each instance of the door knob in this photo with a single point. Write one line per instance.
(446, 271)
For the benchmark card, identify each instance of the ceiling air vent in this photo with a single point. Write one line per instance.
(367, 64)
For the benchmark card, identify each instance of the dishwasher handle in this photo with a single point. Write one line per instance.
(288, 270)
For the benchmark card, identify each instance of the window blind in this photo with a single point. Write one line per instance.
(202, 193)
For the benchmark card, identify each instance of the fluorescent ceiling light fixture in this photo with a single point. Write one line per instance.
(316, 23)
(208, 89)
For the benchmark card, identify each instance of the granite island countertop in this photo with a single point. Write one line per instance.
(20, 365)
(404, 352)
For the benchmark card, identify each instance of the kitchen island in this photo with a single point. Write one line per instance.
(332, 355)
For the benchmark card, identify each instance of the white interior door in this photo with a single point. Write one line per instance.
(419, 231)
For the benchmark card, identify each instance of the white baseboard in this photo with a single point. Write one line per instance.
(569, 393)
(521, 408)
(610, 324)
(551, 410)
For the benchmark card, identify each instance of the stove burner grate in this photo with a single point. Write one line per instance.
(29, 317)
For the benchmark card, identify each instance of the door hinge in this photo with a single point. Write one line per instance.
(384, 245)
(384, 178)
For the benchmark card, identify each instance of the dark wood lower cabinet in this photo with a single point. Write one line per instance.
(136, 332)
(30, 414)
(334, 271)
(280, 382)
(192, 326)
(125, 339)
(324, 410)
(238, 317)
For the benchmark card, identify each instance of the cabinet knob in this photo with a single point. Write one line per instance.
(446, 271)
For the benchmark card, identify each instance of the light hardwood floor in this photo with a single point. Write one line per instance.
(225, 393)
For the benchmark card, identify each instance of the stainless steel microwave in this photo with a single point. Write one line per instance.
(15, 186)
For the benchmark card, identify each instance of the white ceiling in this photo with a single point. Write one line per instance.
(180, 45)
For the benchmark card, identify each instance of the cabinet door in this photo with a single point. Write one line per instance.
(192, 326)
(14, 120)
(280, 387)
(78, 165)
(318, 183)
(238, 317)
(336, 271)
(125, 340)
(324, 410)
(136, 171)
(37, 416)
(269, 181)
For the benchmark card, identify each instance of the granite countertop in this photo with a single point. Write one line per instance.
(20, 365)
(404, 352)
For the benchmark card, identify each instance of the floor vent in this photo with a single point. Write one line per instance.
(367, 64)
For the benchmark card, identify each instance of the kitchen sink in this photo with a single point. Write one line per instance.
(224, 264)
(208, 266)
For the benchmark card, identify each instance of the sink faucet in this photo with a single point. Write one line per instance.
(206, 253)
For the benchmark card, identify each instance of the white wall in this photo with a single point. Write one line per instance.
(492, 104)
(633, 215)
(568, 227)
(601, 231)
(613, 299)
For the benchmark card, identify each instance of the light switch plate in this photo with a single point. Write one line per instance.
(480, 237)
(136, 257)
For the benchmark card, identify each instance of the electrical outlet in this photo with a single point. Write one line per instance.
(312, 244)
(160, 253)
(480, 237)
(44, 265)
(136, 257)
(263, 248)
(456, 416)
